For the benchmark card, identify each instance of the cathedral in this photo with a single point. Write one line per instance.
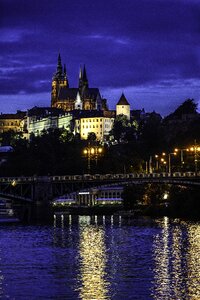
(69, 99)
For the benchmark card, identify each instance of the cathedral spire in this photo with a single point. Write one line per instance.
(65, 76)
(80, 73)
(80, 78)
(84, 78)
(84, 74)
(59, 66)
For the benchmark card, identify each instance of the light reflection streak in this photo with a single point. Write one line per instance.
(92, 250)
(193, 261)
(111, 219)
(176, 253)
(2, 292)
(178, 265)
(120, 221)
(161, 257)
(54, 220)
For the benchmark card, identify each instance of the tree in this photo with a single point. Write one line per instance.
(187, 107)
(150, 134)
(131, 195)
(10, 137)
(92, 137)
(122, 129)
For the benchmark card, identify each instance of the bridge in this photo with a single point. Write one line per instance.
(35, 193)
(44, 188)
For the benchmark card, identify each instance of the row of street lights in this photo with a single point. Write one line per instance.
(162, 158)
(92, 153)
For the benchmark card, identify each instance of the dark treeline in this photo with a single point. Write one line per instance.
(128, 148)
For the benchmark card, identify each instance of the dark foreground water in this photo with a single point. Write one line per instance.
(90, 258)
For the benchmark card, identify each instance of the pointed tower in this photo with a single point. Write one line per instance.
(59, 71)
(59, 80)
(66, 83)
(123, 107)
(83, 81)
(80, 85)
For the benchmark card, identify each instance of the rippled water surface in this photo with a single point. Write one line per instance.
(101, 258)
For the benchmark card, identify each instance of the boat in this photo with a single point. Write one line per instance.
(7, 214)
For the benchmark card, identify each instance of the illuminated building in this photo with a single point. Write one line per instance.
(44, 118)
(15, 122)
(98, 124)
(82, 98)
(123, 107)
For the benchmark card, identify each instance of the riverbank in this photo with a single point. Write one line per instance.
(151, 211)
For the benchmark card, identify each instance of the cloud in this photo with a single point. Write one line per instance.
(125, 44)
(12, 103)
(112, 39)
(163, 97)
(13, 35)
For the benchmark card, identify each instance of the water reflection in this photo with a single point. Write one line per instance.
(176, 253)
(161, 257)
(92, 276)
(194, 261)
(1, 282)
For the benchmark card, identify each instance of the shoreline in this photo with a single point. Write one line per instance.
(132, 213)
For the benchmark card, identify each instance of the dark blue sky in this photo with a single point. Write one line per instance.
(148, 49)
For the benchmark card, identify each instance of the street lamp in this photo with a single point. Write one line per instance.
(157, 162)
(92, 153)
(176, 150)
(169, 161)
(195, 149)
(159, 158)
(163, 161)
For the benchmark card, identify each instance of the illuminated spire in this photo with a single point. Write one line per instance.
(59, 66)
(80, 78)
(85, 80)
(80, 73)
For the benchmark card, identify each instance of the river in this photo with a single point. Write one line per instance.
(101, 258)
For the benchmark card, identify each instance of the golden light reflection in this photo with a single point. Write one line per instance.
(93, 284)
(193, 261)
(176, 253)
(161, 258)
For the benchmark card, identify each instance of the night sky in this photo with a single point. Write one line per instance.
(148, 49)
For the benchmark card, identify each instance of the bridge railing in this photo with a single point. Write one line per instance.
(97, 177)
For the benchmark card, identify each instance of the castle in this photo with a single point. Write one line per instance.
(79, 110)
(83, 97)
